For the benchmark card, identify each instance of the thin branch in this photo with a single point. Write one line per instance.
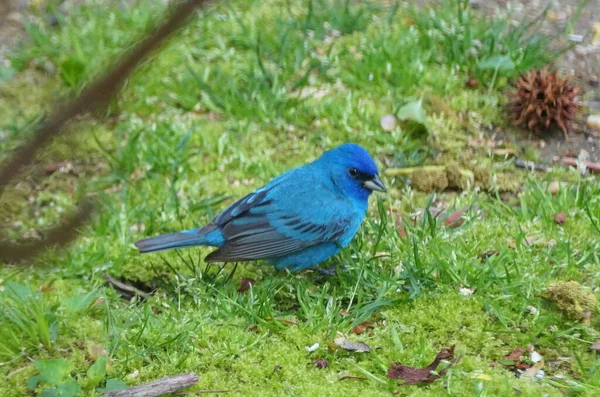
(157, 388)
(95, 96)
(59, 236)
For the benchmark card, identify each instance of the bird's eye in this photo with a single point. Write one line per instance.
(353, 172)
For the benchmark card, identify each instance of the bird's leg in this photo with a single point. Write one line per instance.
(232, 273)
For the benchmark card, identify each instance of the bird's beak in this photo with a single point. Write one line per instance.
(375, 184)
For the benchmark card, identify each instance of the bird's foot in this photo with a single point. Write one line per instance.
(328, 272)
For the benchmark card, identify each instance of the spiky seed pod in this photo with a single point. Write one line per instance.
(542, 99)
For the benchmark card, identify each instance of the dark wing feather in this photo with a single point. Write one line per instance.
(261, 240)
(258, 227)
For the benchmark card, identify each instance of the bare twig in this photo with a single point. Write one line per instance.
(96, 96)
(58, 236)
(157, 388)
(124, 288)
(572, 161)
(531, 165)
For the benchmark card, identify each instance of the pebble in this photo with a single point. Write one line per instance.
(388, 123)
(577, 38)
(593, 121)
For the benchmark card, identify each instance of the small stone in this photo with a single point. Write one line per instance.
(532, 309)
(466, 291)
(554, 187)
(312, 348)
(593, 122)
(388, 123)
(535, 356)
(576, 38)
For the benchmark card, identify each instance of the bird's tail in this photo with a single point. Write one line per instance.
(187, 238)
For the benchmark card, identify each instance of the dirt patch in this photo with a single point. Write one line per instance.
(582, 63)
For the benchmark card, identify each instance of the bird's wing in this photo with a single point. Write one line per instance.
(274, 222)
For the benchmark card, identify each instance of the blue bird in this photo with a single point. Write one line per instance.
(296, 221)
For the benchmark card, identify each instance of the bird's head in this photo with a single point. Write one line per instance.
(352, 170)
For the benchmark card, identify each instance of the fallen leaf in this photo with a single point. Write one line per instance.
(48, 287)
(511, 360)
(572, 161)
(245, 284)
(455, 219)
(401, 231)
(554, 187)
(511, 243)
(99, 301)
(504, 152)
(346, 344)
(63, 166)
(413, 376)
(529, 240)
(532, 371)
(515, 354)
(472, 82)
(321, 363)
(560, 218)
(360, 328)
(596, 347)
(97, 351)
(344, 313)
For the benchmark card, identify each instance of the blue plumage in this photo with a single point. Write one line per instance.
(296, 221)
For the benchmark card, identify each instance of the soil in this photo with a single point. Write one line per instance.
(582, 63)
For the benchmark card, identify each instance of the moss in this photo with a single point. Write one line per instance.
(507, 182)
(457, 176)
(429, 180)
(483, 176)
(572, 299)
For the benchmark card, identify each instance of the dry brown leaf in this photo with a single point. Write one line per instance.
(413, 376)
(531, 371)
(504, 152)
(596, 347)
(472, 82)
(346, 344)
(321, 363)
(96, 351)
(99, 301)
(560, 218)
(360, 328)
(50, 169)
(48, 287)
(344, 313)
(455, 219)
(572, 161)
(401, 231)
(245, 284)
(511, 360)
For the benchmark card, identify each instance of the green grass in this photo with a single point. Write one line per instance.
(245, 92)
